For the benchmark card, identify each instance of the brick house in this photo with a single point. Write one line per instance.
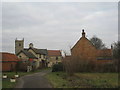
(87, 51)
(8, 61)
(54, 56)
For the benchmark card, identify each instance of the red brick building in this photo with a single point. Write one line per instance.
(86, 50)
(8, 61)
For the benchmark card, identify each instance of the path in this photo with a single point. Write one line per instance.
(36, 80)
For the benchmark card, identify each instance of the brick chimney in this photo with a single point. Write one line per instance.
(83, 33)
(112, 49)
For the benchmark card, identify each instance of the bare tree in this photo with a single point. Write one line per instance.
(116, 50)
(97, 42)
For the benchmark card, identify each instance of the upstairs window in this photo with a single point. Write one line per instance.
(39, 56)
(19, 44)
(56, 58)
(44, 56)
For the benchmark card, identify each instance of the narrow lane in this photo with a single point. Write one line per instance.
(36, 80)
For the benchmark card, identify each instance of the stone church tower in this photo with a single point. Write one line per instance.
(19, 45)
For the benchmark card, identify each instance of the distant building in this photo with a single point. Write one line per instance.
(37, 57)
(85, 50)
(8, 61)
(19, 45)
(54, 57)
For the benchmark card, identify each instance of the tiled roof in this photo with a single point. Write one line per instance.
(28, 54)
(40, 51)
(54, 53)
(8, 57)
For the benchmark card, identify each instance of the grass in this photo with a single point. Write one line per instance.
(57, 79)
(83, 80)
(6, 82)
(98, 80)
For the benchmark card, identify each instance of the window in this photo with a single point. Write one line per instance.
(104, 58)
(44, 56)
(56, 58)
(19, 44)
(39, 56)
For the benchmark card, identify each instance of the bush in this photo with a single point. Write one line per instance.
(109, 67)
(57, 67)
(76, 64)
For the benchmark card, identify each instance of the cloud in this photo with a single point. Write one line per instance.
(57, 25)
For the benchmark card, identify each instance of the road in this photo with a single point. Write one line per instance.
(36, 80)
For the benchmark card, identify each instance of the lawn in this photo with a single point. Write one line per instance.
(83, 80)
(6, 82)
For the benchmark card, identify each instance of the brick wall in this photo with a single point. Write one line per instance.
(8, 66)
(84, 49)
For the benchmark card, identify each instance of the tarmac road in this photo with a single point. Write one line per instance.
(36, 80)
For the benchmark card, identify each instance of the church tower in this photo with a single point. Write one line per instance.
(19, 45)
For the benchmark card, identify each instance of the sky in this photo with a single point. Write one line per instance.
(57, 25)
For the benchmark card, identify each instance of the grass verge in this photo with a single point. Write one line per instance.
(83, 80)
(57, 79)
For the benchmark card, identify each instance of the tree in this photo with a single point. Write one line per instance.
(97, 42)
(116, 50)
(116, 55)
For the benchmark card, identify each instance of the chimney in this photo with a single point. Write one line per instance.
(111, 47)
(31, 45)
(83, 33)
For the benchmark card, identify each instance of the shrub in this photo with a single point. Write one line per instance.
(109, 67)
(57, 67)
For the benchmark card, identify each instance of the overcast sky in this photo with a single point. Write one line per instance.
(57, 25)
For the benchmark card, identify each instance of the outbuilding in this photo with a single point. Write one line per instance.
(8, 61)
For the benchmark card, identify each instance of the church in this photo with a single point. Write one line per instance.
(85, 50)
(37, 57)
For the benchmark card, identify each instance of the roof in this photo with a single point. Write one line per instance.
(104, 52)
(28, 54)
(54, 53)
(39, 51)
(4, 56)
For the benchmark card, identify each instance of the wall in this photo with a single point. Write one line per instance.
(84, 50)
(30, 50)
(6, 66)
(52, 60)
(23, 56)
(17, 47)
